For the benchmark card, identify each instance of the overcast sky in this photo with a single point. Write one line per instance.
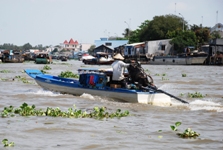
(50, 22)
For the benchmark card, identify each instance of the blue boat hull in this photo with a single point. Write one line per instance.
(72, 86)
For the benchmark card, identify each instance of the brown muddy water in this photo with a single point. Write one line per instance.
(148, 127)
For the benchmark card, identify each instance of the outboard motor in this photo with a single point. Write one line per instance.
(138, 76)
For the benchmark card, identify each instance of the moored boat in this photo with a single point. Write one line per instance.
(178, 60)
(43, 58)
(11, 56)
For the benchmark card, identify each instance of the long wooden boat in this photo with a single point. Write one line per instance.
(195, 59)
(178, 60)
(94, 82)
(10, 56)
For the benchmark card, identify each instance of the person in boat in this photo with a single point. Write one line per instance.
(187, 51)
(118, 67)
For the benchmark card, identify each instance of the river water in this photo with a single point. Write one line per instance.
(148, 127)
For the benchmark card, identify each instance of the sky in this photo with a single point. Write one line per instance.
(51, 22)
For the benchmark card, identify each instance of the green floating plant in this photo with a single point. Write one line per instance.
(163, 74)
(188, 133)
(181, 94)
(5, 71)
(23, 79)
(43, 71)
(46, 67)
(6, 143)
(163, 78)
(184, 75)
(174, 127)
(97, 113)
(195, 95)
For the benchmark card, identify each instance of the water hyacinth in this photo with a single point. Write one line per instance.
(23, 79)
(46, 67)
(184, 75)
(6, 143)
(188, 133)
(6, 71)
(195, 95)
(96, 113)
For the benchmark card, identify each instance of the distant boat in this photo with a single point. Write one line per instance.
(11, 56)
(43, 58)
(100, 59)
(161, 52)
(192, 59)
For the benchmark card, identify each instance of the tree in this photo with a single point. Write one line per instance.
(27, 46)
(135, 35)
(127, 33)
(8, 46)
(90, 50)
(215, 35)
(55, 50)
(159, 27)
(202, 33)
(182, 39)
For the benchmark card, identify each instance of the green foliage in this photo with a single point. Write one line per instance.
(202, 34)
(184, 75)
(43, 71)
(8, 111)
(159, 27)
(5, 71)
(68, 74)
(127, 33)
(55, 50)
(23, 79)
(97, 112)
(174, 127)
(90, 50)
(2, 79)
(183, 39)
(9, 46)
(188, 133)
(181, 94)
(46, 67)
(215, 35)
(163, 77)
(195, 95)
(135, 35)
(6, 143)
(27, 46)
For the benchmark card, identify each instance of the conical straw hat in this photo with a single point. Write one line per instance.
(118, 56)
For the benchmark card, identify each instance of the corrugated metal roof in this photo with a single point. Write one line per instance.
(114, 43)
(134, 44)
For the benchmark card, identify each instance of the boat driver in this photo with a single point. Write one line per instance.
(118, 67)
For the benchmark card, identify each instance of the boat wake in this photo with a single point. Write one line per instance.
(45, 93)
(87, 96)
(205, 105)
(98, 98)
